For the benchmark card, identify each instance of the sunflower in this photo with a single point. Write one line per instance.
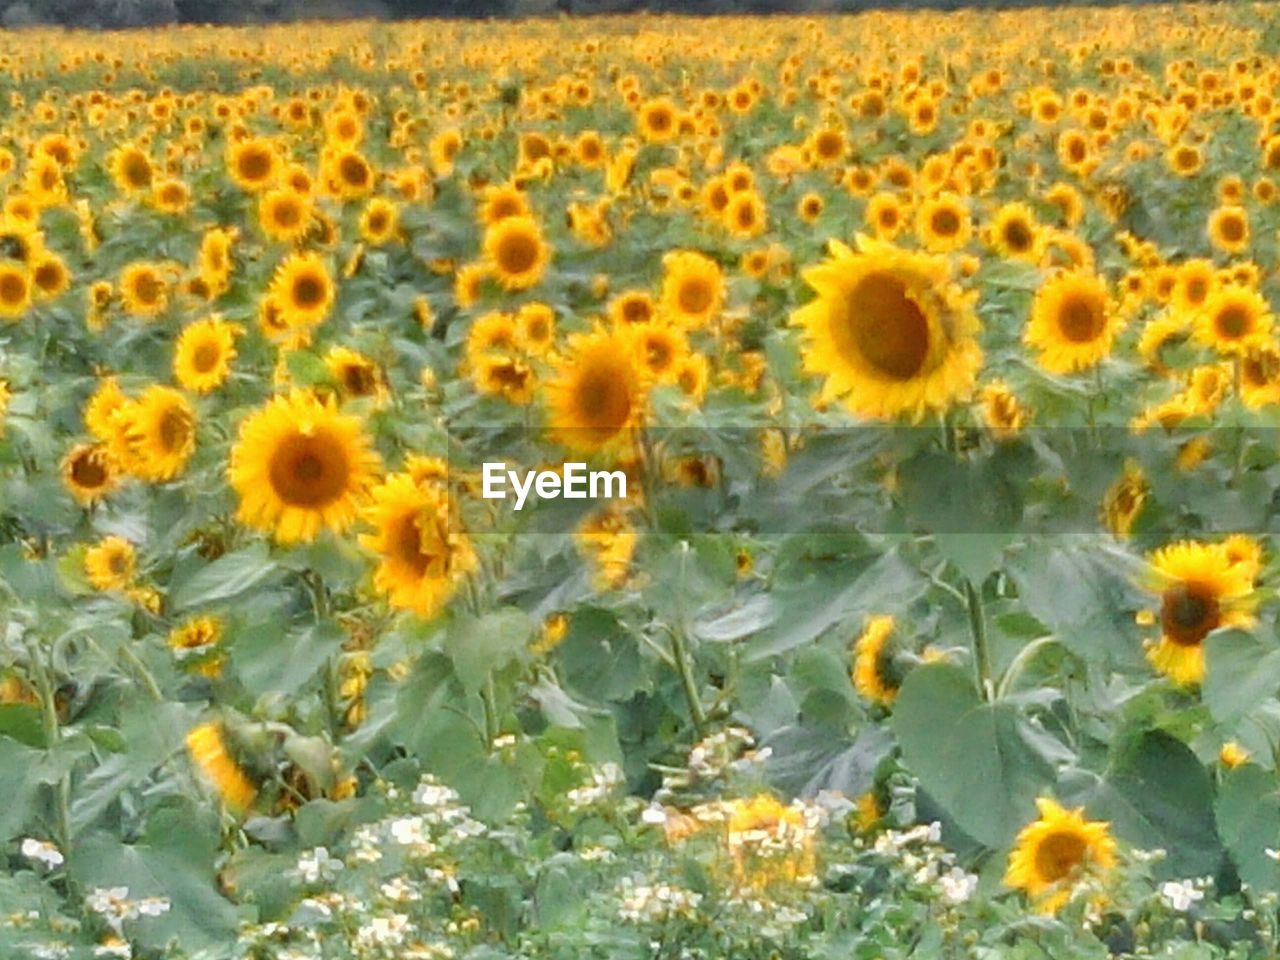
(299, 465)
(379, 222)
(144, 288)
(208, 749)
(422, 555)
(693, 288)
(356, 375)
(110, 564)
(16, 288)
(632, 307)
(536, 328)
(214, 261)
(1124, 500)
(885, 215)
(1014, 233)
(1005, 416)
(284, 214)
(1197, 279)
(502, 201)
(598, 391)
(1260, 376)
(89, 473)
(943, 224)
(1073, 322)
(1228, 229)
(130, 168)
(745, 216)
(663, 348)
(657, 121)
(253, 164)
(103, 404)
(171, 196)
(203, 354)
(516, 252)
(1201, 590)
(195, 643)
(506, 376)
(303, 290)
(50, 275)
(889, 330)
(1233, 320)
(159, 432)
(1056, 854)
(876, 676)
(348, 174)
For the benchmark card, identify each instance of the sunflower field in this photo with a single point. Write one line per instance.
(933, 363)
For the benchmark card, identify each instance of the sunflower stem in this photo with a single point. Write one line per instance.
(680, 652)
(978, 630)
(47, 693)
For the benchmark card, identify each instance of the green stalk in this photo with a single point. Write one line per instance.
(53, 737)
(978, 630)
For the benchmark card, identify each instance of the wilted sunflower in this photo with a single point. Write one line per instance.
(303, 290)
(875, 673)
(203, 354)
(209, 752)
(1073, 322)
(1124, 500)
(89, 473)
(889, 330)
(160, 433)
(1056, 854)
(1233, 320)
(110, 563)
(1200, 590)
(299, 465)
(598, 391)
(423, 555)
(355, 374)
(692, 288)
(516, 253)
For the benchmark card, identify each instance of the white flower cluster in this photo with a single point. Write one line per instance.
(919, 851)
(115, 907)
(317, 865)
(605, 779)
(646, 903)
(1181, 895)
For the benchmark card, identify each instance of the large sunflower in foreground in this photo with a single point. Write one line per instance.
(421, 559)
(1202, 587)
(598, 390)
(300, 465)
(889, 330)
(1073, 322)
(1056, 853)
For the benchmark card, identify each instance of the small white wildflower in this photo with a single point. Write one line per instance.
(153, 906)
(43, 853)
(1180, 894)
(957, 885)
(316, 865)
(115, 951)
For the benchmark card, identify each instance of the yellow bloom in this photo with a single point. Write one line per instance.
(110, 564)
(208, 751)
(890, 331)
(203, 354)
(598, 391)
(1056, 855)
(1073, 322)
(875, 674)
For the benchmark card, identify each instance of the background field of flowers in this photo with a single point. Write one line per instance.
(938, 351)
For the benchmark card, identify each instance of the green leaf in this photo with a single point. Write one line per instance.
(1156, 794)
(1241, 671)
(269, 658)
(981, 761)
(1084, 595)
(1248, 817)
(19, 781)
(174, 859)
(479, 646)
(227, 577)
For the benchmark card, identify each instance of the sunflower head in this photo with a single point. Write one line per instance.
(693, 288)
(1073, 322)
(1200, 589)
(89, 473)
(303, 290)
(889, 330)
(203, 354)
(598, 391)
(1234, 319)
(299, 466)
(516, 252)
(1058, 854)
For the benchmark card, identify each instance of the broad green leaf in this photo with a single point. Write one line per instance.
(225, 578)
(1241, 671)
(1248, 817)
(979, 760)
(480, 646)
